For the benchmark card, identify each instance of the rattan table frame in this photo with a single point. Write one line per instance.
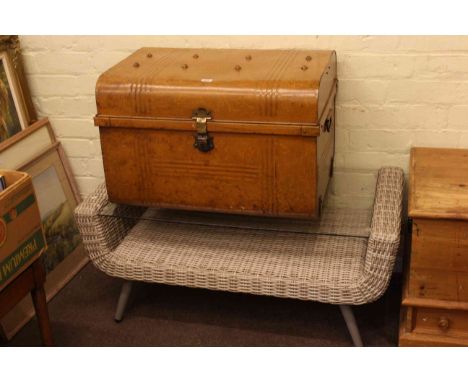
(338, 270)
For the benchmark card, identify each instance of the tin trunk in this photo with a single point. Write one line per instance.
(238, 131)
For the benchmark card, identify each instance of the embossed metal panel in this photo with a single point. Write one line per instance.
(248, 174)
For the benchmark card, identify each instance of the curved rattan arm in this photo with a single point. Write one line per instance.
(384, 239)
(102, 234)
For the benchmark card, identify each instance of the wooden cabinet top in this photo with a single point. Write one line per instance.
(438, 186)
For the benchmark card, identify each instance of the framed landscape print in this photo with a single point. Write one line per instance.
(13, 116)
(57, 198)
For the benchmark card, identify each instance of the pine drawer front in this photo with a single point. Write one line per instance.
(433, 327)
(439, 260)
(441, 322)
(438, 285)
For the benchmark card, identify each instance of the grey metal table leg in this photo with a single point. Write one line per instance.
(353, 329)
(123, 299)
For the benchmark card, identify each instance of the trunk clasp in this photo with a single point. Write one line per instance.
(203, 141)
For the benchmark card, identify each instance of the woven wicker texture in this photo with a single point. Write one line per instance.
(331, 269)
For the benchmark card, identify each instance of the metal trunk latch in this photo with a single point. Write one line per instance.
(203, 141)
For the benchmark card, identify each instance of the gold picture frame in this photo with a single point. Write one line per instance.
(57, 198)
(10, 44)
(13, 112)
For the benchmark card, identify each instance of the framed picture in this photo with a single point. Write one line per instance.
(13, 115)
(10, 44)
(26, 145)
(57, 198)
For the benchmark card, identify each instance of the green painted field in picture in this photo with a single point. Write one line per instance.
(9, 118)
(60, 229)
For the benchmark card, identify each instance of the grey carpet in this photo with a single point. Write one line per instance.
(160, 315)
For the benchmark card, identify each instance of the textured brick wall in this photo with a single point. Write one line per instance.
(394, 92)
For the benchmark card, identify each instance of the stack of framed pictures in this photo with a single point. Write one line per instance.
(31, 147)
(36, 151)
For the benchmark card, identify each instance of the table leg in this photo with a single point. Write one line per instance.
(42, 314)
(353, 329)
(40, 304)
(123, 300)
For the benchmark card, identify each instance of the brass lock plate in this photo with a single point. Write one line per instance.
(203, 141)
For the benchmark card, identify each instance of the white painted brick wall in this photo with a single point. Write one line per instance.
(395, 92)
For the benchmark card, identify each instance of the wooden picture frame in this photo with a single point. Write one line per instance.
(11, 45)
(26, 145)
(13, 111)
(57, 198)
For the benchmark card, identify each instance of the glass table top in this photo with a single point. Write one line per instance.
(341, 216)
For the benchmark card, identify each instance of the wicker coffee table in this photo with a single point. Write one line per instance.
(345, 259)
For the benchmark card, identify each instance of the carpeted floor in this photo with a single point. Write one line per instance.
(159, 315)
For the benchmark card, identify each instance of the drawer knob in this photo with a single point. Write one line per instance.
(444, 323)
